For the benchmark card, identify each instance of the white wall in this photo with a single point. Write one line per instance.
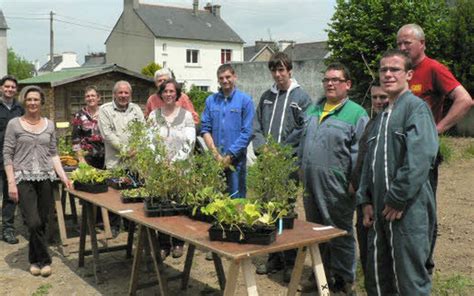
(202, 74)
(69, 61)
(3, 53)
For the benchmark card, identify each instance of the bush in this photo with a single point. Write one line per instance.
(198, 97)
(445, 149)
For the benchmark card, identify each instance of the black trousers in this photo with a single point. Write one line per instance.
(36, 203)
(8, 206)
(433, 176)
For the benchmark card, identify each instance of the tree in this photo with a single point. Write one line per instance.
(461, 47)
(364, 29)
(18, 66)
(150, 69)
(198, 97)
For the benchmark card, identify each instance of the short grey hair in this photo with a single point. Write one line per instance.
(162, 72)
(120, 82)
(415, 28)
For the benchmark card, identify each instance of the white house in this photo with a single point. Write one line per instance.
(3, 45)
(62, 61)
(193, 43)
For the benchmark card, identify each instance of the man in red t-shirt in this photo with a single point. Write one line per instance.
(155, 102)
(433, 82)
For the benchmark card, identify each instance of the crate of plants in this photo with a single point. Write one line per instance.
(241, 221)
(197, 200)
(134, 195)
(272, 178)
(157, 207)
(89, 179)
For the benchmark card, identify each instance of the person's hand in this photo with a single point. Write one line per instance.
(13, 192)
(391, 214)
(351, 190)
(368, 211)
(68, 184)
(227, 161)
(132, 153)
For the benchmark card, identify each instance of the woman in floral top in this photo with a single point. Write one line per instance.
(86, 139)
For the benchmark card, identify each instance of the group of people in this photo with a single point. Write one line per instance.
(383, 167)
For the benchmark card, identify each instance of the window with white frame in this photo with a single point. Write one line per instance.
(192, 56)
(226, 56)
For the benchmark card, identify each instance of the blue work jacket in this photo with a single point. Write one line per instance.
(229, 121)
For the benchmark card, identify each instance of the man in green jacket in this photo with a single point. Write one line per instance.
(328, 152)
(395, 193)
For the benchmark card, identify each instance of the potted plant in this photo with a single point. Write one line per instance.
(121, 179)
(206, 182)
(134, 195)
(242, 221)
(89, 179)
(271, 179)
(165, 182)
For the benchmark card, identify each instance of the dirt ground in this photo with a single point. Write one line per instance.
(454, 253)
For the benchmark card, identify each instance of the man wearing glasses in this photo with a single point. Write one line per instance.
(395, 192)
(329, 152)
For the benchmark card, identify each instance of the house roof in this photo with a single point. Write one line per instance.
(56, 61)
(251, 53)
(181, 23)
(3, 22)
(305, 51)
(94, 60)
(69, 75)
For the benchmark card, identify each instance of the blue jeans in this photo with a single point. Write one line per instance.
(236, 179)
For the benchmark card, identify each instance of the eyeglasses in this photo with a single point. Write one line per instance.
(333, 80)
(393, 70)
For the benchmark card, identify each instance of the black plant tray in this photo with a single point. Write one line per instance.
(200, 216)
(163, 209)
(258, 236)
(91, 188)
(289, 221)
(115, 184)
(128, 199)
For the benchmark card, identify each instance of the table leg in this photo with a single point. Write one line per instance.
(187, 266)
(297, 271)
(219, 270)
(60, 215)
(94, 246)
(249, 276)
(131, 231)
(318, 270)
(136, 260)
(232, 276)
(157, 262)
(82, 237)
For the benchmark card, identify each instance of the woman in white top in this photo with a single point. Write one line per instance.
(175, 126)
(31, 165)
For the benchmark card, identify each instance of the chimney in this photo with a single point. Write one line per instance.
(283, 44)
(195, 6)
(214, 9)
(130, 4)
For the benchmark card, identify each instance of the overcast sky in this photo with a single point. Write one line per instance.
(83, 25)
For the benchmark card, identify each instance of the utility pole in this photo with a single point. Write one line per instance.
(51, 41)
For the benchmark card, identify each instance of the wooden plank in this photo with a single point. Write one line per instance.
(60, 214)
(82, 237)
(157, 262)
(136, 261)
(131, 231)
(297, 271)
(187, 266)
(232, 276)
(318, 270)
(94, 246)
(249, 276)
(219, 270)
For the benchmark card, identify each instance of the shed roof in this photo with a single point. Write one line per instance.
(69, 75)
